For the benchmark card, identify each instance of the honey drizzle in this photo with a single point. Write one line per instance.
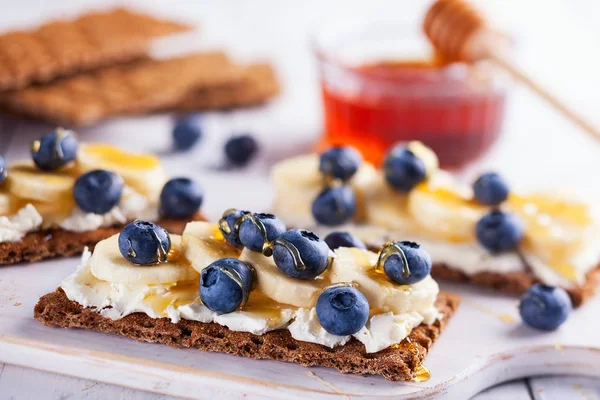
(265, 307)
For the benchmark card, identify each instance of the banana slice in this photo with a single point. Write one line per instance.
(357, 266)
(557, 230)
(141, 171)
(109, 265)
(388, 209)
(27, 182)
(278, 286)
(6, 203)
(203, 243)
(445, 209)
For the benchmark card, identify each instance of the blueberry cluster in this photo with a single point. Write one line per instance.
(239, 149)
(343, 310)
(298, 253)
(336, 204)
(542, 307)
(98, 191)
(498, 230)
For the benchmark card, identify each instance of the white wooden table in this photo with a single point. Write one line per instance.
(278, 30)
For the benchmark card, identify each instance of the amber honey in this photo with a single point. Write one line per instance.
(392, 101)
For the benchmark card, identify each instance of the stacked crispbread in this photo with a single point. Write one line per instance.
(81, 71)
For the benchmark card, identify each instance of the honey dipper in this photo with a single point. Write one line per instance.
(459, 32)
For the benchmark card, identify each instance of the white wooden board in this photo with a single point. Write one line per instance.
(479, 348)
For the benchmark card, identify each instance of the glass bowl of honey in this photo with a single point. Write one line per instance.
(384, 84)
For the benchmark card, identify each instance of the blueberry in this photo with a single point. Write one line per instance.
(225, 285)
(187, 132)
(144, 243)
(334, 206)
(251, 234)
(499, 231)
(54, 150)
(342, 310)
(240, 149)
(301, 254)
(403, 169)
(490, 189)
(98, 191)
(343, 239)
(410, 269)
(340, 162)
(3, 170)
(545, 307)
(229, 225)
(180, 198)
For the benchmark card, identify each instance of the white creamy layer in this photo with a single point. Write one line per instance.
(380, 332)
(132, 205)
(14, 227)
(116, 300)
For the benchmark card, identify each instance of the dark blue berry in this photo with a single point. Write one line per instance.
(98, 191)
(340, 162)
(229, 225)
(343, 239)
(301, 254)
(403, 169)
(54, 150)
(490, 189)
(3, 170)
(180, 198)
(225, 285)
(240, 149)
(334, 206)
(187, 132)
(251, 234)
(342, 310)
(499, 231)
(545, 307)
(144, 243)
(410, 269)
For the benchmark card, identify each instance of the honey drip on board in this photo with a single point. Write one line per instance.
(422, 373)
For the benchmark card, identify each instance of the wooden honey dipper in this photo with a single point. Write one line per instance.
(459, 32)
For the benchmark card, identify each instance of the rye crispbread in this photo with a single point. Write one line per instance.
(52, 243)
(517, 282)
(397, 363)
(66, 47)
(138, 87)
(258, 85)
